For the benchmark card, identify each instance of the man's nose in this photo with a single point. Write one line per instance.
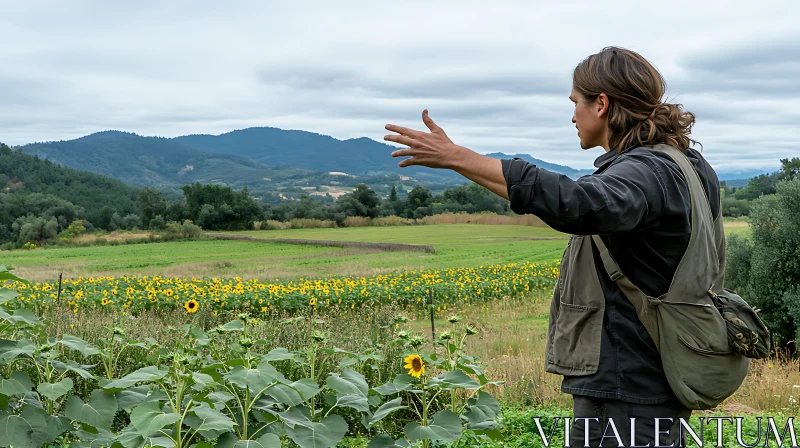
(573, 119)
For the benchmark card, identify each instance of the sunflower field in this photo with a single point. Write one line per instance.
(132, 294)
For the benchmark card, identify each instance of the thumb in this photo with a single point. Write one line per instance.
(429, 122)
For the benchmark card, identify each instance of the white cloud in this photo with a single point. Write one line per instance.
(495, 75)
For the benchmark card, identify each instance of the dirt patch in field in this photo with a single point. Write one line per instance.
(389, 247)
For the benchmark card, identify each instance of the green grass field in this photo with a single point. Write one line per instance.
(456, 245)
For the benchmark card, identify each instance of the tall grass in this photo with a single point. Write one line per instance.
(510, 345)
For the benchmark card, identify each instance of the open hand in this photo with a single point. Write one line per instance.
(433, 149)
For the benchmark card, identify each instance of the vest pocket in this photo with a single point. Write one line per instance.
(576, 347)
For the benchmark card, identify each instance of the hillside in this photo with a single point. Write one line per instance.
(21, 174)
(361, 156)
(283, 163)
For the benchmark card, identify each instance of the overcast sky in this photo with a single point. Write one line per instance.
(494, 74)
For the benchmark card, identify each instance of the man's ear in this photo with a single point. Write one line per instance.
(602, 104)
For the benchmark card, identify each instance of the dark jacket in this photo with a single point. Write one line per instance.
(638, 201)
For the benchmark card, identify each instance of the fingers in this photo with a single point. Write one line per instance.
(404, 153)
(402, 139)
(407, 162)
(429, 122)
(401, 130)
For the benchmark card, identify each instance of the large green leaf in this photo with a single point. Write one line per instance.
(160, 442)
(384, 441)
(7, 295)
(296, 416)
(279, 354)
(256, 379)
(6, 274)
(326, 433)
(400, 383)
(79, 345)
(98, 412)
(353, 401)
(202, 380)
(23, 315)
(386, 409)
(306, 387)
(455, 379)
(350, 382)
(56, 425)
(72, 366)
(130, 398)
(148, 418)
(219, 398)
(229, 440)
(285, 394)
(482, 412)
(54, 391)
(145, 374)
(100, 439)
(129, 438)
(212, 419)
(18, 384)
(234, 325)
(11, 350)
(445, 426)
(26, 430)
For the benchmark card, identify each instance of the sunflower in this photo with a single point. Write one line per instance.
(191, 306)
(313, 301)
(414, 365)
(105, 302)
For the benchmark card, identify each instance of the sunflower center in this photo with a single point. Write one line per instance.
(191, 305)
(416, 364)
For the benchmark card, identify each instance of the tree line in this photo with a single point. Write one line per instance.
(736, 202)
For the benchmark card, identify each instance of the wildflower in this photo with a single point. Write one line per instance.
(470, 331)
(414, 365)
(416, 341)
(454, 319)
(191, 306)
(445, 335)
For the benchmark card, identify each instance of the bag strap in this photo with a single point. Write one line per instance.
(635, 295)
(639, 299)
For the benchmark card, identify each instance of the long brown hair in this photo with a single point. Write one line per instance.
(636, 114)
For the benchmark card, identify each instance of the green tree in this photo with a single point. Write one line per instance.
(790, 167)
(393, 194)
(765, 269)
(150, 203)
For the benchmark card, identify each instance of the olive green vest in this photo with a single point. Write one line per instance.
(688, 330)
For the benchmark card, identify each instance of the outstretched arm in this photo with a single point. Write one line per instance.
(435, 150)
(621, 199)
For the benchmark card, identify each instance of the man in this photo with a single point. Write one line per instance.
(638, 202)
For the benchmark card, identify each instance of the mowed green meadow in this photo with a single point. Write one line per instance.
(455, 245)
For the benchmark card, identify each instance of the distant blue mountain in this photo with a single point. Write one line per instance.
(262, 157)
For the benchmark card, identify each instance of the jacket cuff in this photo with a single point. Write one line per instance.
(520, 177)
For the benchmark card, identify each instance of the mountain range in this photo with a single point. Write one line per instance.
(264, 159)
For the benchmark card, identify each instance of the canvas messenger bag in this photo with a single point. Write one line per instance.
(705, 334)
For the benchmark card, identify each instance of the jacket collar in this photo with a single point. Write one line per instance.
(605, 159)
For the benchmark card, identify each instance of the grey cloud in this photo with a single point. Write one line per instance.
(416, 85)
(769, 68)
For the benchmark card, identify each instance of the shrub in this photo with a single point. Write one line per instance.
(766, 269)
